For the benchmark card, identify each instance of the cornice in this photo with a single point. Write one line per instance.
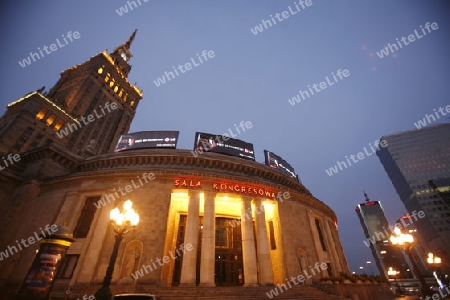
(182, 161)
(172, 163)
(54, 152)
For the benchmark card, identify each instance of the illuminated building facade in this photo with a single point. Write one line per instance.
(205, 220)
(248, 224)
(86, 111)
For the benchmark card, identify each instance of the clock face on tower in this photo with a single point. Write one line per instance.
(124, 56)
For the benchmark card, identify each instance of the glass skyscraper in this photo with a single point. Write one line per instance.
(418, 164)
(377, 231)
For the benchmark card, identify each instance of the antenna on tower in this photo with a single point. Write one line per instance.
(365, 196)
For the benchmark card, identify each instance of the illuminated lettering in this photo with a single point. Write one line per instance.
(234, 187)
(188, 183)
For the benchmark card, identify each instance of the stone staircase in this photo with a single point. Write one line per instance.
(242, 293)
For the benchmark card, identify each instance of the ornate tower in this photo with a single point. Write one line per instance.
(90, 106)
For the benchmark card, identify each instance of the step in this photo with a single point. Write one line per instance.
(239, 292)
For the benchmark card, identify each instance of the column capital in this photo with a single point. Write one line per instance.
(247, 198)
(209, 193)
(194, 193)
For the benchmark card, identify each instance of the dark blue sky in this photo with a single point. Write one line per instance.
(252, 77)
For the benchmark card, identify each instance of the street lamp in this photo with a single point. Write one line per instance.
(370, 266)
(393, 273)
(431, 259)
(435, 261)
(122, 222)
(361, 268)
(405, 242)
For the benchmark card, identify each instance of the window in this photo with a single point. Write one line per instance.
(50, 120)
(273, 245)
(224, 234)
(41, 114)
(319, 230)
(58, 125)
(330, 273)
(68, 265)
(107, 77)
(86, 217)
(100, 70)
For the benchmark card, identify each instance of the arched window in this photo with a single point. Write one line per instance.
(41, 114)
(86, 217)
(58, 125)
(50, 120)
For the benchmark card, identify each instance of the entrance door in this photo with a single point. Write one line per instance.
(229, 269)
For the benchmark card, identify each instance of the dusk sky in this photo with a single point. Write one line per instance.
(252, 76)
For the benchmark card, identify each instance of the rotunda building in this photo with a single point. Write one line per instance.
(210, 220)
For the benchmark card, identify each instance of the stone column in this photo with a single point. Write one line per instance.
(263, 247)
(207, 265)
(248, 244)
(188, 269)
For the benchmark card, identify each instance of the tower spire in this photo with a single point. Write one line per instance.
(130, 39)
(122, 54)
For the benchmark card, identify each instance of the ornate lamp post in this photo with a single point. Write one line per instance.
(122, 222)
(405, 242)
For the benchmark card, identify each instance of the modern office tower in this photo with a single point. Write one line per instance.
(87, 110)
(377, 231)
(418, 164)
